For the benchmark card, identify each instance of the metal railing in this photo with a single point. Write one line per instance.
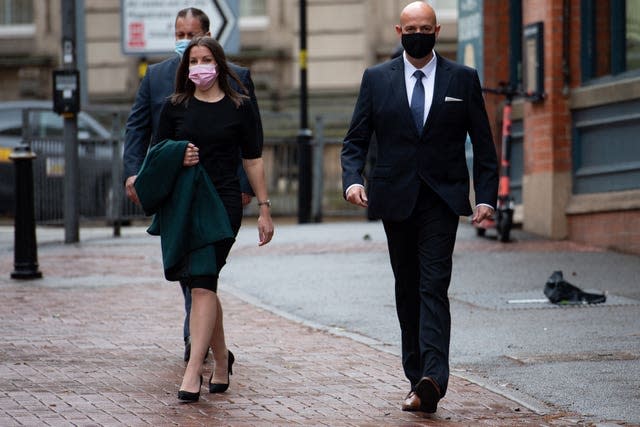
(101, 182)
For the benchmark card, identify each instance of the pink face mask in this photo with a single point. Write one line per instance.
(203, 75)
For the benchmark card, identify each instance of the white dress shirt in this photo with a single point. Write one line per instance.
(428, 81)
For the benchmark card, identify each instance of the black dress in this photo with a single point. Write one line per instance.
(222, 132)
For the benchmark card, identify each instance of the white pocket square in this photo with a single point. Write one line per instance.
(451, 99)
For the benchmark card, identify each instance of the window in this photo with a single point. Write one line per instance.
(606, 155)
(632, 21)
(610, 37)
(446, 10)
(16, 18)
(253, 14)
(253, 7)
(16, 12)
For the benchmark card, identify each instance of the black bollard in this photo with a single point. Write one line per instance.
(305, 184)
(25, 249)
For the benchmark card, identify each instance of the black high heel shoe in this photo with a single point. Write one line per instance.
(221, 388)
(188, 396)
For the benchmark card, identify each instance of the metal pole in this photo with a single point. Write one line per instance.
(71, 180)
(318, 170)
(115, 208)
(81, 50)
(304, 119)
(304, 135)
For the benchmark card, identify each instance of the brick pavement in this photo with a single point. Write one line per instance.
(97, 341)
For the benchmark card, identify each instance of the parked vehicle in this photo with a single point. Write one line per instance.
(46, 130)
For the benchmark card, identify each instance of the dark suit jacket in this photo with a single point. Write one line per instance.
(142, 124)
(436, 156)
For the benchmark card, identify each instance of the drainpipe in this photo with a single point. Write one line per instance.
(566, 33)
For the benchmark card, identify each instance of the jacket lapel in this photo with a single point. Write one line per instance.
(399, 91)
(443, 76)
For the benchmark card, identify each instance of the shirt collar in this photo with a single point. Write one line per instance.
(409, 69)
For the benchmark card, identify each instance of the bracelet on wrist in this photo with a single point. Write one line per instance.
(266, 203)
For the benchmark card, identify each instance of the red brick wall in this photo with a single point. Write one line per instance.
(496, 60)
(575, 79)
(547, 125)
(603, 26)
(613, 230)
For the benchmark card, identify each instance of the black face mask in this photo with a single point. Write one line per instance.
(418, 45)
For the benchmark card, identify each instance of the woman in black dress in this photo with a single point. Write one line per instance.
(218, 122)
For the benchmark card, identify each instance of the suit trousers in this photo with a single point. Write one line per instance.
(421, 250)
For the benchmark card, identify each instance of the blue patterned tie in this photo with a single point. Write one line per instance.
(417, 101)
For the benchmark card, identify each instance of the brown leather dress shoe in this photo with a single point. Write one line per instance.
(411, 402)
(428, 392)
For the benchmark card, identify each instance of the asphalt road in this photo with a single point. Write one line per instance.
(583, 359)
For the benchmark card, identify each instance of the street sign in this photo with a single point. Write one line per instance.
(148, 25)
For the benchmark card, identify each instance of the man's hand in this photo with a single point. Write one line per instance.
(357, 196)
(131, 190)
(482, 212)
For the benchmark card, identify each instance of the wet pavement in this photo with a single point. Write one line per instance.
(98, 341)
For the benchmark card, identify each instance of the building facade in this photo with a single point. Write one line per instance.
(575, 159)
(344, 37)
(576, 153)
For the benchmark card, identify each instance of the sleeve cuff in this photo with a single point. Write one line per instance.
(487, 205)
(350, 187)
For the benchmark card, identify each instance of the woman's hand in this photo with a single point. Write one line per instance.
(191, 156)
(255, 172)
(265, 226)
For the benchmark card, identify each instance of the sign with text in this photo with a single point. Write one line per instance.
(148, 25)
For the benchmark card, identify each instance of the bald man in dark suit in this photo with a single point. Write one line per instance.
(421, 106)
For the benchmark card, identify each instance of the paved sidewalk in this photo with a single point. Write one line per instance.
(97, 341)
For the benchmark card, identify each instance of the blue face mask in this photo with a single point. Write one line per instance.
(181, 46)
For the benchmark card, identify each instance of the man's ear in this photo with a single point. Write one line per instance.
(208, 34)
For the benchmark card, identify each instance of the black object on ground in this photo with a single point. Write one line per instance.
(561, 292)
